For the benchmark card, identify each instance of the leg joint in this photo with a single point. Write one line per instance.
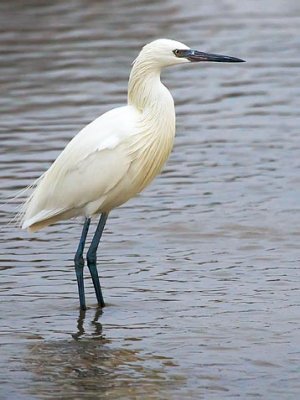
(91, 257)
(79, 261)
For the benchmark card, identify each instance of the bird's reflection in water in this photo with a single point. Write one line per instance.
(97, 325)
(95, 367)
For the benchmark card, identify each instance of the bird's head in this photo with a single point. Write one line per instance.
(166, 52)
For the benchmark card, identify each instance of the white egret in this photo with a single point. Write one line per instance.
(114, 157)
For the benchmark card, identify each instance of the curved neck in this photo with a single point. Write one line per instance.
(152, 99)
(144, 87)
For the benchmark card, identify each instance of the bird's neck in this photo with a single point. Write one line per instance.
(145, 90)
(156, 123)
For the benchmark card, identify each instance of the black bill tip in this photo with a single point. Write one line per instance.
(197, 56)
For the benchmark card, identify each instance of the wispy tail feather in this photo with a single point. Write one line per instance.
(24, 195)
(45, 218)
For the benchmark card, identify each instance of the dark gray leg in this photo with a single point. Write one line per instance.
(92, 258)
(79, 263)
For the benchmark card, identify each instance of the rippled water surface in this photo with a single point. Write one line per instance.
(201, 271)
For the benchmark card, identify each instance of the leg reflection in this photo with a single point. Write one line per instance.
(97, 326)
(80, 329)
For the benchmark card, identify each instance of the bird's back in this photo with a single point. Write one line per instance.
(89, 166)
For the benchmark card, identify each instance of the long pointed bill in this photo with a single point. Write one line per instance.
(197, 56)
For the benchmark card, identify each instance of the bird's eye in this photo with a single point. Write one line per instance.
(176, 52)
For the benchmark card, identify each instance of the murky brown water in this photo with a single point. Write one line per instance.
(200, 272)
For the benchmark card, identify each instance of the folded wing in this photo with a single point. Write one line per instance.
(93, 163)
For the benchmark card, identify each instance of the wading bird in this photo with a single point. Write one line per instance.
(114, 157)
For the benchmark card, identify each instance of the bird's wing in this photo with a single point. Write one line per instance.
(95, 160)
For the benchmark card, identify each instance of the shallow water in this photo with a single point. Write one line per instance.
(201, 271)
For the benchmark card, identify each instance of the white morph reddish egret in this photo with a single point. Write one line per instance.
(114, 157)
